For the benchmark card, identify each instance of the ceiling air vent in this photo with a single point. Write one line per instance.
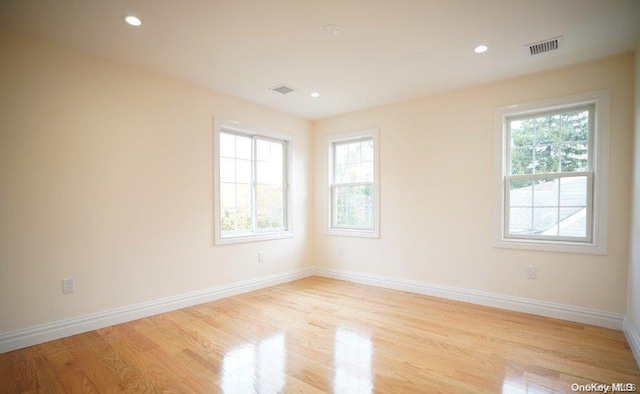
(283, 89)
(544, 46)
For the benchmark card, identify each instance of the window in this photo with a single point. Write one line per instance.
(552, 181)
(353, 184)
(252, 173)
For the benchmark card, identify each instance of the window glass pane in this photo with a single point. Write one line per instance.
(227, 219)
(270, 185)
(522, 161)
(243, 161)
(227, 195)
(263, 173)
(367, 150)
(227, 170)
(262, 195)
(243, 195)
(353, 176)
(358, 203)
(520, 192)
(355, 152)
(341, 219)
(546, 129)
(353, 172)
(227, 145)
(365, 172)
(520, 220)
(554, 144)
(263, 217)
(574, 222)
(263, 150)
(573, 191)
(277, 173)
(243, 171)
(574, 157)
(547, 159)
(545, 193)
(276, 217)
(341, 154)
(277, 152)
(243, 219)
(351, 216)
(575, 126)
(520, 135)
(276, 197)
(341, 173)
(545, 221)
(243, 147)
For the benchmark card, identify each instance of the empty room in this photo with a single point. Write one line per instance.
(354, 196)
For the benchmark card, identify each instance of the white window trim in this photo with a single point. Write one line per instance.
(242, 128)
(348, 136)
(600, 166)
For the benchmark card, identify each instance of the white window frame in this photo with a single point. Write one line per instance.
(596, 242)
(330, 206)
(236, 127)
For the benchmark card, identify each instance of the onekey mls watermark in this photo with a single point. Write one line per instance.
(605, 388)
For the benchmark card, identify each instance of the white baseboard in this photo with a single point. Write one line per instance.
(64, 328)
(77, 325)
(633, 337)
(548, 309)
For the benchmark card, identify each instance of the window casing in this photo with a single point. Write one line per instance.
(552, 186)
(252, 178)
(353, 192)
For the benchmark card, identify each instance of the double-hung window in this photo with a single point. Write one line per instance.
(252, 183)
(552, 183)
(353, 184)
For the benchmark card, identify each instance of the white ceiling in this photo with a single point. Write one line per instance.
(387, 50)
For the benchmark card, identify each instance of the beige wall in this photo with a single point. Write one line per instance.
(437, 193)
(106, 175)
(633, 293)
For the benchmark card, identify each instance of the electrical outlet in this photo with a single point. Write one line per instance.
(68, 286)
(340, 251)
(260, 257)
(531, 272)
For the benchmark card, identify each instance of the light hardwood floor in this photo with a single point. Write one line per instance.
(323, 335)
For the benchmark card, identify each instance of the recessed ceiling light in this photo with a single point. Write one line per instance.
(332, 29)
(315, 94)
(481, 48)
(132, 20)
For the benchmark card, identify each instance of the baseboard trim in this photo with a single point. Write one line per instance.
(541, 308)
(633, 337)
(50, 331)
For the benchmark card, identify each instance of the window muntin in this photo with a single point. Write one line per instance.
(549, 186)
(353, 188)
(253, 196)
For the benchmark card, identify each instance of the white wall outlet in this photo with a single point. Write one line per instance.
(531, 272)
(68, 286)
(260, 257)
(340, 251)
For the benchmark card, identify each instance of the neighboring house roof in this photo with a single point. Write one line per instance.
(535, 208)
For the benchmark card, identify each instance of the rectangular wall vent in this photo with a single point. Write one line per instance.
(537, 48)
(283, 89)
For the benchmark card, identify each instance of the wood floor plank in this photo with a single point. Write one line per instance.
(322, 335)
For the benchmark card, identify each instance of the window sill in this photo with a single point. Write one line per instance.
(353, 233)
(551, 246)
(253, 238)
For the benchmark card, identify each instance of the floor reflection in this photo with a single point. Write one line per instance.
(352, 353)
(529, 384)
(255, 367)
